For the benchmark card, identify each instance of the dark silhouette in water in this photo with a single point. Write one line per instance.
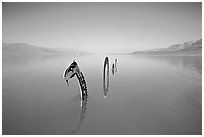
(83, 109)
(106, 76)
(116, 61)
(113, 69)
(73, 70)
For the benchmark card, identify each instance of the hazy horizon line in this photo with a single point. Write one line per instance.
(89, 51)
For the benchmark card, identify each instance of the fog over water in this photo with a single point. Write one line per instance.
(130, 91)
(140, 95)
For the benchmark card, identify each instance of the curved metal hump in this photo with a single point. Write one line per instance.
(106, 76)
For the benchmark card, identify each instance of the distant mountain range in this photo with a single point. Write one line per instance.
(187, 48)
(26, 50)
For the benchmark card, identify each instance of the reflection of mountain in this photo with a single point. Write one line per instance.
(189, 62)
(20, 52)
(187, 48)
(71, 51)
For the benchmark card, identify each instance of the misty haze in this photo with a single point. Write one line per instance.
(102, 68)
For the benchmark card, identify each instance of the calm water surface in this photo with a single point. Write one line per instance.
(141, 95)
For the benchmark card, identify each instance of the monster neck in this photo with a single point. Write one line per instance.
(82, 83)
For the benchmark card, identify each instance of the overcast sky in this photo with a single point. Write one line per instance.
(102, 27)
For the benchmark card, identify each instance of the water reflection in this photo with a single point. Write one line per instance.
(188, 62)
(26, 60)
(170, 104)
(106, 76)
(83, 109)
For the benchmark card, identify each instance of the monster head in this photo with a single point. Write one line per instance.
(71, 71)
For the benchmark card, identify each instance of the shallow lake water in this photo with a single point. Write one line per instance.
(141, 95)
